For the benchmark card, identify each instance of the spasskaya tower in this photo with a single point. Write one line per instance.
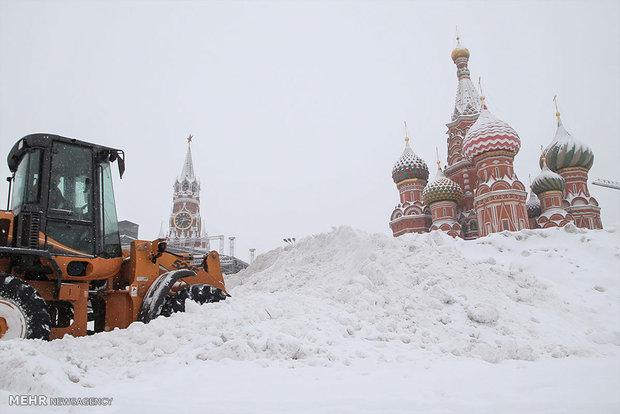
(185, 224)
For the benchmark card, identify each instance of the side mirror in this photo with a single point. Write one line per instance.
(121, 163)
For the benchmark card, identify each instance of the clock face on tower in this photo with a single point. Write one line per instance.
(183, 220)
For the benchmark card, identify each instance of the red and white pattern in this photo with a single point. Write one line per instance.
(490, 134)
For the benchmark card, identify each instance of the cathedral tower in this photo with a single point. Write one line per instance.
(442, 195)
(185, 225)
(499, 199)
(572, 160)
(459, 168)
(410, 173)
(549, 186)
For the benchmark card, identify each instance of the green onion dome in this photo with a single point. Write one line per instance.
(440, 189)
(565, 152)
(547, 180)
(409, 166)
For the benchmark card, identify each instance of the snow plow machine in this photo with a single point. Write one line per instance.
(62, 269)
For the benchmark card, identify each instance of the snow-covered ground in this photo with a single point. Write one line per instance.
(364, 323)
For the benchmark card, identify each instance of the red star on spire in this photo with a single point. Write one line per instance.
(189, 139)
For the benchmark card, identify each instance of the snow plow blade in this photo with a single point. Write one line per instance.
(156, 295)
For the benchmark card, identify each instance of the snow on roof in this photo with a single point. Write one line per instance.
(409, 165)
(441, 188)
(467, 101)
(489, 133)
(566, 151)
(188, 166)
(533, 205)
(547, 180)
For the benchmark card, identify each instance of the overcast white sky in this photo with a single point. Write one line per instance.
(297, 107)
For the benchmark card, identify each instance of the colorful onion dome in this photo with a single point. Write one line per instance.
(533, 206)
(565, 152)
(489, 134)
(440, 189)
(547, 180)
(409, 166)
(459, 51)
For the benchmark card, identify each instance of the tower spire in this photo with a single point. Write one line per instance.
(557, 111)
(467, 101)
(188, 165)
(483, 105)
(406, 133)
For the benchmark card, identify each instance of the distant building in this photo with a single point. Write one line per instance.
(128, 232)
(186, 231)
(478, 192)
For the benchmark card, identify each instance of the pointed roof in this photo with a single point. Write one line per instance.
(566, 151)
(409, 166)
(467, 101)
(533, 205)
(459, 51)
(440, 189)
(547, 180)
(188, 165)
(489, 133)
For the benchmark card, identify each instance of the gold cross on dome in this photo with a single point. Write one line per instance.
(189, 139)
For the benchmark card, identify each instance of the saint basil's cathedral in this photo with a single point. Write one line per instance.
(478, 192)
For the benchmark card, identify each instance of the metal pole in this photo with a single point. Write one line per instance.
(607, 183)
(252, 251)
(232, 246)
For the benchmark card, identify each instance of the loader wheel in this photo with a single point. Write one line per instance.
(198, 293)
(23, 312)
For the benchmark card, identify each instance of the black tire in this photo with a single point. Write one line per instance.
(23, 309)
(198, 293)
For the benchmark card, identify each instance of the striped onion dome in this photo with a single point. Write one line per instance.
(565, 152)
(533, 206)
(409, 166)
(440, 189)
(489, 134)
(547, 180)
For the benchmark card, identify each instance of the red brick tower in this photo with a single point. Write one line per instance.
(410, 173)
(549, 187)
(499, 198)
(185, 221)
(442, 195)
(459, 168)
(572, 160)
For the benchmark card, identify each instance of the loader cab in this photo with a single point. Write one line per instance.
(62, 198)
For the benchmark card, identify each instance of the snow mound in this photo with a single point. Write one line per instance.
(347, 295)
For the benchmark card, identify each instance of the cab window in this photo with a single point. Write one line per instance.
(27, 180)
(70, 226)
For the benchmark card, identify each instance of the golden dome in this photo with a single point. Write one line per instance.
(459, 51)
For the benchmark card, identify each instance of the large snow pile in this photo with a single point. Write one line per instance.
(346, 296)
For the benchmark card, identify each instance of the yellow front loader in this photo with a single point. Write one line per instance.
(62, 269)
